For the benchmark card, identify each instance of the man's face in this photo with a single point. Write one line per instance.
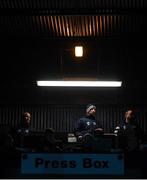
(129, 114)
(27, 118)
(92, 111)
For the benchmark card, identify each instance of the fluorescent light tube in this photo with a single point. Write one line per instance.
(80, 83)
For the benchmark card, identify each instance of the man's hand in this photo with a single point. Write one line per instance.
(98, 129)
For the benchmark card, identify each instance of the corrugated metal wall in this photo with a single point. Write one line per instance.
(63, 117)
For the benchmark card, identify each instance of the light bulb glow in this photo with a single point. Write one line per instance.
(78, 51)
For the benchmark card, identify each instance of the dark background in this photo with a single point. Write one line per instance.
(37, 41)
(24, 61)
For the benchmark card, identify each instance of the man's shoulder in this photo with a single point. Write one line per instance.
(83, 119)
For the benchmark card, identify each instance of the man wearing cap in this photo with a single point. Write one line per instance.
(87, 126)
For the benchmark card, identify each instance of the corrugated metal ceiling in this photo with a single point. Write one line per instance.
(72, 4)
(71, 18)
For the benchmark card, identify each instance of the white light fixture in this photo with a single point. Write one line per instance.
(78, 51)
(80, 83)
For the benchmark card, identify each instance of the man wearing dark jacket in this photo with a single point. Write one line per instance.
(22, 130)
(130, 131)
(87, 126)
(24, 127)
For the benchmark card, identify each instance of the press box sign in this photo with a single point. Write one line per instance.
(103, 164)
